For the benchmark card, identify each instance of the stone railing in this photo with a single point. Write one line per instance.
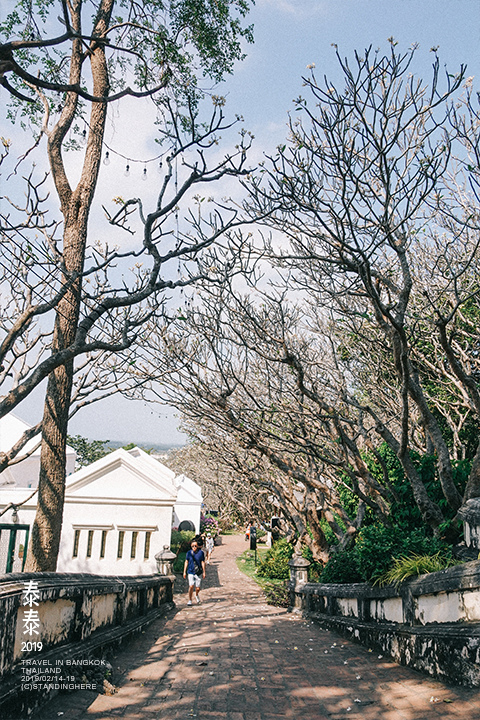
(431, 623)
(54, 628)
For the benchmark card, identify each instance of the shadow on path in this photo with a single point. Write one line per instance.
(235, 658)
(212, 580)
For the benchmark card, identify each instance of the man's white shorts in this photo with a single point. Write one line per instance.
(194, 580)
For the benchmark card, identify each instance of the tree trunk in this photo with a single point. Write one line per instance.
(316, 538)
(46, 530)
(407, 374)
(75, 206)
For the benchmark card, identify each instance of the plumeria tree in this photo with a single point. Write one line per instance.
(377, 174)
(359, 330)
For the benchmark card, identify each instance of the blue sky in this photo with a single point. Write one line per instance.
(289, 35)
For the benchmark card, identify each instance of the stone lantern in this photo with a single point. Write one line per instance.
(165, 560)
(298, 577)
(470, 514)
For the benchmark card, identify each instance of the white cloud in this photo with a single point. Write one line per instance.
(300, 8)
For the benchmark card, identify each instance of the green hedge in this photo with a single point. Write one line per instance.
(376, 549)
(180, 540)
(275, 563)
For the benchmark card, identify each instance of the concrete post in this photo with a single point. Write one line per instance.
(298, 577)
(165, 560)
(470, 514)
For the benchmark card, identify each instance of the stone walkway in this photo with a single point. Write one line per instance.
(233, 657)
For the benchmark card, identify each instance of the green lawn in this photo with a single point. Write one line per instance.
(246, 563)
(276, 591)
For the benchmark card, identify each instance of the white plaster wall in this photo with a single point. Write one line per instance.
(187, 511)
(117, 482)
(348, 606)
(471, 605)
(103, 610)
(472, 535)
(55, 619)
(448, 607)
(389, 609)
(441, 607)
(113, 518)
(188, 505)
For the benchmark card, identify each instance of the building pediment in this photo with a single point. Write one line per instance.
(188, 490)
(119, 476)
(12, 429)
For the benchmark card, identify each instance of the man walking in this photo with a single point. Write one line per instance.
(194, 567)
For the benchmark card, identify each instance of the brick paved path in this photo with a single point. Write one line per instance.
(235, 658)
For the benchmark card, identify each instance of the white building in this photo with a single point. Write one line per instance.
(24, 473)
(188, 505)
(117, 515)
(118, 511)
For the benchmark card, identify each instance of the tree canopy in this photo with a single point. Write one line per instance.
(347, 361)
(73, 302)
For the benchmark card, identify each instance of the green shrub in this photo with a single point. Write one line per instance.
(261, 535)
(375, 550)
(275, 563)
(377, 546)
(179, 562)
(413, 565)
(404, 511)
(277, 595)
(180, 540)
(343, 567)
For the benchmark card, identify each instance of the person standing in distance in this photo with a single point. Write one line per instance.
(209, 544)
(194, 567)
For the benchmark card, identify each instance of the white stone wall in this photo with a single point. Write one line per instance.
(448, 607)
(186, 511)
(389, 609)
(472, 535)
(188, 505)
(130, 519)
(348, 606)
